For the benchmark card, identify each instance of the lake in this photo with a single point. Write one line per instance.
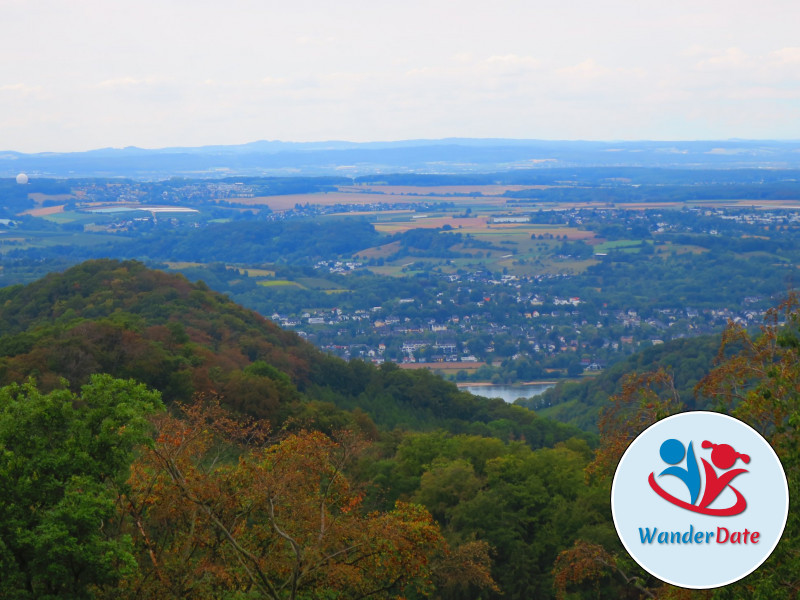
(509, 393)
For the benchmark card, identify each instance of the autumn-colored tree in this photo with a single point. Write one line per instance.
(756, 379)
(608, 572)
(586, 563)
(463, 572)
(645, 399)
(218, 509)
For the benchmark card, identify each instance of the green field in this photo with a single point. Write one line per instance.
(624, 245)
(23, 239)
(280, 283)
(318, 283)
(68, 217)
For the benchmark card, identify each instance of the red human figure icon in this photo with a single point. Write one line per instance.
(724, 457)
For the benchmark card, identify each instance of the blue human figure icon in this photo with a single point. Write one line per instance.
(672, 452)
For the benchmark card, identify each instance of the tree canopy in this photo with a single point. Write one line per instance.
(64, 461)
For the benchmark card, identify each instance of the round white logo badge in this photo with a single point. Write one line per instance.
(699, 500)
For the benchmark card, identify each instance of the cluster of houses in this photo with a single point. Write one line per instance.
(536, 324)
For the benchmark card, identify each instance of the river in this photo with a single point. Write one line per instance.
(509, 393)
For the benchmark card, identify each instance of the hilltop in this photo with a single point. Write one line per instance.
(124, 319)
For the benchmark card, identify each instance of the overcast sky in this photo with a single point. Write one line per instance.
(82, 74)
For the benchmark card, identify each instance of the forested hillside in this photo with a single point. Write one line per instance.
(133, 322)
(180, 338)
(580, 403)
(159, 441)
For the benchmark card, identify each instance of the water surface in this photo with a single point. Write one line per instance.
(509, 393)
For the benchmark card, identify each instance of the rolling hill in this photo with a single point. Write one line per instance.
(121, 318)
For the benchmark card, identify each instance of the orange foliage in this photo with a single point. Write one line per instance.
(760, 382)
(217, 505)
(464, 569)
(644, 399)
(756, 380)
(590, 563)
(583, 562)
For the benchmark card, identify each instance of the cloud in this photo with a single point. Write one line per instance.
(371, 70)
(512, 61)
(731, 58)
(787, 56)
(465, 71)
(273, 81)
(753, 79)
(21, 88)
(588, 69)
(306, 40)
(124, 82)
(766, 93)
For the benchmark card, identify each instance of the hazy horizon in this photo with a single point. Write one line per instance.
(90, 74)
(410, 142)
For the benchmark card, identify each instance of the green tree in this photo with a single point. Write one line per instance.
(533, 502)
(218, 510)
(446, 484)
(757, 379)
(64, 460)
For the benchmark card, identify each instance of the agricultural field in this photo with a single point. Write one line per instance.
(443, 190)
(477, 212)
(445, 369)
(622, 245)
(25, 240)
(400, 224)
(532, 281)
(177, 265)
(273, 283)
(45, 211)
(289, 201)
(513, 248)
(256, 272)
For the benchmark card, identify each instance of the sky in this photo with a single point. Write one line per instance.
(84, 74)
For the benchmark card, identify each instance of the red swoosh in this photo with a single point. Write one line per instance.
(737, 508)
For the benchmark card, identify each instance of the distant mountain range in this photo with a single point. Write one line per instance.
(452, 155)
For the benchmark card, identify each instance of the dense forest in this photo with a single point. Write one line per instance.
(580, 402)
(158, 440)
